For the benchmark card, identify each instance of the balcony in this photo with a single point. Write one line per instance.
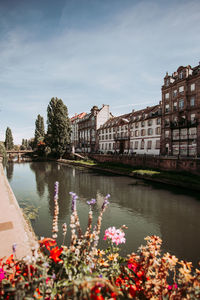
(183, 123)
(121, 137)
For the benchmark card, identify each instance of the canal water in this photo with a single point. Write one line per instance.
(147, 209)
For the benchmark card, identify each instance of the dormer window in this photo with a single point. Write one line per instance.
(167, 82)
(181, 75)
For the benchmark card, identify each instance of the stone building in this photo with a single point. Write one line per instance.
(88, 126)
(137, 132)
(181, 113)
(113, 135)
(145, 130)
(74, 130)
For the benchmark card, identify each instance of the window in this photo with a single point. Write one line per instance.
(142, 123)
(149, 144)
(166, 122)
(158, 122)
(109, 146)
(167, 133)
(167, 96)
(192, 117)
(136, 144)
(192, 101)
(181, 104)
(136, 125)
(157, 130)
(157, 144)
(142, 144)
(150, 122)
(181, 89)
(167, 108)
(142, 132)
(175, 106)
(192, 87)
(136, 132)
(174, 93)
(150, 131)
(167, 82)
(181, 75)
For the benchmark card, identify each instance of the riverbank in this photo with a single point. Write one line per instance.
(179, 179)
(13, 227)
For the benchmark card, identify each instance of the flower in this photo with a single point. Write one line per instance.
(106, 202)
(74, 198)
(48, 243)
(91, 202)
(116, 235)
(55, 253)
(2, 274)
(56, 190)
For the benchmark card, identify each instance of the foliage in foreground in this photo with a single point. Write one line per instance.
(82, 271)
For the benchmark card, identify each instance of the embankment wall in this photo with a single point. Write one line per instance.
(155, 162)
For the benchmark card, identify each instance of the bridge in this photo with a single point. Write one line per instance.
(19, 153)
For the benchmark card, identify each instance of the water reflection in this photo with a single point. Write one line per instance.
(145, 209)
(9, 170)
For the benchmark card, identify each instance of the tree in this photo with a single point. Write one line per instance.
(3, 153)
(59, 129)
(9, 139)
(39, 130)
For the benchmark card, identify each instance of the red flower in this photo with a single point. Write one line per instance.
(47, 242)
(55, 253)
(132, 290)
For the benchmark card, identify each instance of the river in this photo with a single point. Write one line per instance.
(147, 209)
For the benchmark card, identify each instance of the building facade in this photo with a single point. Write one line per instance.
(181, 113)
(88, 126)
(134, 133)
(74, 130)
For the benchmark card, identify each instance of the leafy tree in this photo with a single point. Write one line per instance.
(3, 153)
(59, 129)
(39, 130)
(9, 139)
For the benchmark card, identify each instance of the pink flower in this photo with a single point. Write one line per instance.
(116, 235)
(2, 274)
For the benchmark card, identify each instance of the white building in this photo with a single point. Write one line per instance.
(134, 133)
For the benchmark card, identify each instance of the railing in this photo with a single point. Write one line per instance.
(120, 137)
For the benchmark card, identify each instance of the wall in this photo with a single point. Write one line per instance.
(149, 161)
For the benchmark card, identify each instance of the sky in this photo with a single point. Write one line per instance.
(90, 52)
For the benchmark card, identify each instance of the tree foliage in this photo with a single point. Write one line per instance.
(39, 130)
(9, 139)
(3, 153)
(59, 129)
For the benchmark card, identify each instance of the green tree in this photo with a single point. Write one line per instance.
(9, 139)
(39, 130)
(3, 153)
(59, 129)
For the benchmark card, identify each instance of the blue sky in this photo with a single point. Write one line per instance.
(90, 52)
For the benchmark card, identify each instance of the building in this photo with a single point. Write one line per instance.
(181, 113)
(74, 129)
(134, 133)
(88, 126)
(145, 130)
(113, 135)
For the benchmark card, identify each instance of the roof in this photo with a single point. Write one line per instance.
(79, 116)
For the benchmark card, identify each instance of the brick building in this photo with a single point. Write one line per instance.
(181, 113)
(88, 126)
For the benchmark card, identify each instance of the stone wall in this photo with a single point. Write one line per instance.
(155, 162)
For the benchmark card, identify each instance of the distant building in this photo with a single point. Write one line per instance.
(137, 132)
(74, 127)
(181, 113)
(88, 126)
